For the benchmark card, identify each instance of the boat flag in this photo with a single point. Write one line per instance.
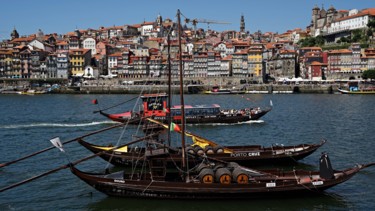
(94, 101)
(57, 143)
(174, 127)
(166, 110)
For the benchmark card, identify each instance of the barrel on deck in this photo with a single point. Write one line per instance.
(223, 176)
(240, 176)
(206, 175)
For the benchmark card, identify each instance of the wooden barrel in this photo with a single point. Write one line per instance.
(199, 150)
(190, 150)
(219, 149)
(240, 176)
(209, 150)
(206, 175)
(223, 176)
(232, 165)
(200, 167)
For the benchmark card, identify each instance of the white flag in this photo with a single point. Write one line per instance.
(57, 143)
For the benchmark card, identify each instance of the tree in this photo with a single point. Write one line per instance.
(369, 74)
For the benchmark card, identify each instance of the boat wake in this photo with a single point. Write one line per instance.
(15, 126)
(238, 123)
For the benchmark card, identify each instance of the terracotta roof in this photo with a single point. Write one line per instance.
(369, 12)
(227, 58)
(341, 51)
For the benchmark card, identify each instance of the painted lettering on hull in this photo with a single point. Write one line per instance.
(245, 154)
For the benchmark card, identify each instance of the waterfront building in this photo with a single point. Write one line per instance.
(200, 64)
(339, 63)
(255, 60)
(51, 63)
(115, 64)
(240, 64)
(62, 64)
(38, 57)
(226, 67)
(25, 57)
(188, 65)
(140, 67)
(5, 63)
(16, 62)
(78, 60)
(213, 64)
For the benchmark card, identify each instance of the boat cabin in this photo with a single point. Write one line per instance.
(197, 110)
(154, 104)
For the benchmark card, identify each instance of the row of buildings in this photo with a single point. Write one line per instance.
(144, 50)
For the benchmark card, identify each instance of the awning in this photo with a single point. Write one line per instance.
(78, 75)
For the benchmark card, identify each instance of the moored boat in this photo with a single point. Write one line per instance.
(217, 181)
(250, 155)
(155, 106)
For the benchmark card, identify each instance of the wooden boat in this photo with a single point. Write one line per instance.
(251, 155)
(156, 106)
(217, 90)
(217, 181)
(370, 90)
(356, 87)
(211, 178)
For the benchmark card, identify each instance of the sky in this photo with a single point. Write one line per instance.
(52, 16)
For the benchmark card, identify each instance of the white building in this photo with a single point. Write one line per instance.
(90, 43)
(355, 20)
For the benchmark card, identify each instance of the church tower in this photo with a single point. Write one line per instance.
(242, 24)
(14, 34)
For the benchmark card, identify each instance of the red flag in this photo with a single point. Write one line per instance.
(94, 101)
(174, 127)
(166, 110)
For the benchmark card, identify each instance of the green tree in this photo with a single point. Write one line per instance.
(371, 24)
(368, 74)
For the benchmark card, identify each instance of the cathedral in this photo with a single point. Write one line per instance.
(322, 19)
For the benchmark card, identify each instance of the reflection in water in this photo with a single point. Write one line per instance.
(315, 202)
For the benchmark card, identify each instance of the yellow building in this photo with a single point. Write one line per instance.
(78, 60)
(255, 60)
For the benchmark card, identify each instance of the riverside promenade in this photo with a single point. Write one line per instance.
(199, 89)
(118, 86)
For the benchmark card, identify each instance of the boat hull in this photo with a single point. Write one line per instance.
(214, 119)
(243, 155)
(285, 185)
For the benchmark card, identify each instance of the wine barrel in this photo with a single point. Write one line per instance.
(219, 149)
(199, 150)
(206, 175)
(240, 176)
(190, 150)
(209, 150)
(223, 176)
(200, 167)
(232, 165)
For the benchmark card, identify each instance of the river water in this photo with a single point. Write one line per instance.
(29, 122)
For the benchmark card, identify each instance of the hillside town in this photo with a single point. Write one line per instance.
(140, 51)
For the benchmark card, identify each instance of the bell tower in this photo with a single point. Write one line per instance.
(14, 34)
(242, 24)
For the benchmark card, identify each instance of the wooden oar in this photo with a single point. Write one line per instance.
(72, 140)
(67, 165)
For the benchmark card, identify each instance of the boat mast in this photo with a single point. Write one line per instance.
(169, 89)
(181, 90)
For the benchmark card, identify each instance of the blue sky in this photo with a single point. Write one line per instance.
(67, 15)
